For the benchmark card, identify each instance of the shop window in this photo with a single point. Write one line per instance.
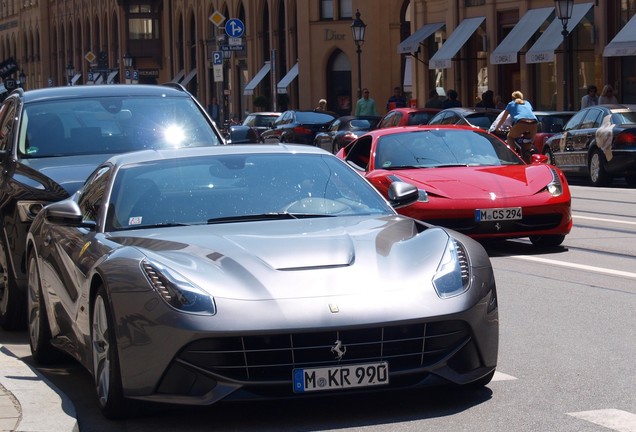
(326, 9)
(346, 10)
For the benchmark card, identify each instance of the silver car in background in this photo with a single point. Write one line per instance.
(255, 271)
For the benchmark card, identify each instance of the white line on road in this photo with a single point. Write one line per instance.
(604, 220)
(502, 377)
(617, 420)
(577, 266)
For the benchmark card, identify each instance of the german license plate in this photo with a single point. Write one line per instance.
(341, 377)
(498, 214)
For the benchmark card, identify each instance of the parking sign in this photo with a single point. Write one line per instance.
(217, 58)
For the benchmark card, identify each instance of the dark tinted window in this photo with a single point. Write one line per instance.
(313, 117)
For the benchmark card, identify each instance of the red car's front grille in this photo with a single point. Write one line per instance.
(468, 226)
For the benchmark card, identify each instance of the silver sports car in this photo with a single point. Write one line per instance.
(260, 271)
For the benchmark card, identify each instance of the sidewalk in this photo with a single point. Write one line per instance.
(29, 402)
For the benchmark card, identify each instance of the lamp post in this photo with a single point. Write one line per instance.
(358, 27)
(128, 61)
(23, 78)
(227, 55)
(564, 13)
(70, 71)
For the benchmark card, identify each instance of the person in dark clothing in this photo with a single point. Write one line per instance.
(452, 100)
(487, 100)
(397, 100)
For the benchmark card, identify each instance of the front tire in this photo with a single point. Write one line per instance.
(12, 301)
(106, 360)
(547, 240)
(598, 175)
(39, 330)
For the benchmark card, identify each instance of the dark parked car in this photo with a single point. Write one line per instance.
(343, 130)
(598, 142)
(252, 127)
(50, 141)
(299, 127)
(199, 275)
(407, 117)
(476, 117)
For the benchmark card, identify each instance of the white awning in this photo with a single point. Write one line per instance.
(76, 78)
(411, 44)
(624, 43)
(178, 76)
(189, 77)
(543, 49)
(506, 51)
(282, 85)
(249, 88)
(442, 58)
(407, 85)
(111, 77)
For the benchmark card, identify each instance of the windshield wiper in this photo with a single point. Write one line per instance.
(253, 217)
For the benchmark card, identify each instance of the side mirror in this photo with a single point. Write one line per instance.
(66, 213)
(402, 194)
(539, 158)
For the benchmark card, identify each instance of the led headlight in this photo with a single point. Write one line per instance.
(452, 274)
(555, 187)
(178, 292)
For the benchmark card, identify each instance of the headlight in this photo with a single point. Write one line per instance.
(555, 187)
(178, 292)
(452, 274)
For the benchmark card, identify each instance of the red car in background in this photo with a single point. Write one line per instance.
(549, 123)
(468, 180)
(407, 117)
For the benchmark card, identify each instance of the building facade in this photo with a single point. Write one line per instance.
(290, 53)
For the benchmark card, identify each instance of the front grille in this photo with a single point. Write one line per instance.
(270, 358)
(468, 226)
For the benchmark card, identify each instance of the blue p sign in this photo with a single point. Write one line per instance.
(217, 57)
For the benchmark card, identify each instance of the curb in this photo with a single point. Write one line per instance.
(38, 406)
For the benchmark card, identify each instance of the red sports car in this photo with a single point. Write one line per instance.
(469, 181)
(407, 117)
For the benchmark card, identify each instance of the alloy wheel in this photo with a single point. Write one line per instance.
(101, 350)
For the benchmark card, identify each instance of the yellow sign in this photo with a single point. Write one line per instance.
(217, 18)
(90, 57)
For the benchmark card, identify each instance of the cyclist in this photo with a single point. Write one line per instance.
(524, 122)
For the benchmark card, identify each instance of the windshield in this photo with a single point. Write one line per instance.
(238, 188)
(432, 148)
(115, 124)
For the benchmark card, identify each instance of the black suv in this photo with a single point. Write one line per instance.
(52, 139)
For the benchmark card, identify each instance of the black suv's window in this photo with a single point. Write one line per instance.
(111, 125)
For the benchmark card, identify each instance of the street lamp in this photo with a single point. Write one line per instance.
(358, 27)
(22, 77)
(564, 13)
(128, 61)
(227, 55)
(70, 71)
